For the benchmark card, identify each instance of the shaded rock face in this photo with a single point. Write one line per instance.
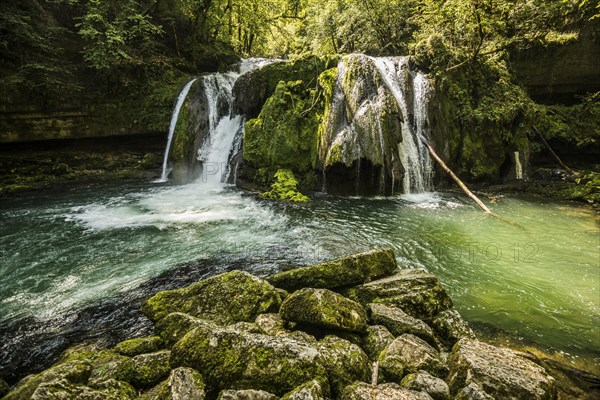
(388, 391)
(499, 372)
(376, 340)
(416, 291)
(409, 354)
(370, 131)
(346, 271)
(226, 298)
(324, 308)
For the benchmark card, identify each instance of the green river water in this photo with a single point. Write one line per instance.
(538, 282)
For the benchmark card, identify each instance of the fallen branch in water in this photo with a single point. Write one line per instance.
(562, 164)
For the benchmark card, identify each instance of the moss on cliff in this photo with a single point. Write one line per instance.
(285, 188)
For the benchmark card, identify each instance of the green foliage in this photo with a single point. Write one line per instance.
(285, 188)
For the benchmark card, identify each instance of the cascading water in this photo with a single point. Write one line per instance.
(412, 151)
(180, 99)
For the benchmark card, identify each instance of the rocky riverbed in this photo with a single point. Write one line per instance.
(352, 328)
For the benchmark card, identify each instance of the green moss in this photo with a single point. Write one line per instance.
(145, 370)
(133, 347)
(285, 188)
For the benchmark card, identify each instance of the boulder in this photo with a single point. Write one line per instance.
(134, 347)
(65, 390)
(242, 360)
(498, 371)
(377, 339)
(324, 308)
(346, 271)
(248, 394)
(345, 362)
(271, 324)
(227, 298)
(422, 381)
(145, 370)
(4, 388)
(451, 327)
(409, 354)
(309, 391)
(398, 322)
(249, 327)
(183, 384)
(472, 392)
(387, 391)
(416, 291)
(176, 325)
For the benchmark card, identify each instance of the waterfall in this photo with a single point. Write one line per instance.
(180, 99)
(412, 152)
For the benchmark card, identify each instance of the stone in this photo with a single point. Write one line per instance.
(324, 308)
(345, 362)
(145, 370)
(451, 327)
(409, 354)
(309, 391)
(245, 327)
(422, 381)
(377, 339)
(64, 390)
(248, 394)
(4, 388)
(227, 298)
(398, 322)
(134, 347)
(176, 325)
(472, 392)
(387, 391)
(271, 324)
(416, 291)
(243, 360)
(498, 371)
(346, 271)
(185, 383)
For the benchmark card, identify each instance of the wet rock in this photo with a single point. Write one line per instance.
(451, 327)
(346, 271)
(388, 391)
(416, 291)
(409, 354)
(145, 370)
(176, 325)
(134, 347)
(498, 371)
(64, 390)
(377, 339)
(248, 394)
(309, 391)
(4, 388)
(249, 361)
(472, 392)
(227, 298)
(324, 308)
(345, 362)
(398, 322)
(424, 382)
(271, 324)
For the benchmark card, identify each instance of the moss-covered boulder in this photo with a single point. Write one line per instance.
(409, 354)
(183, 384)
(4, 388)
(451, 327)
(309, 391)
(424, 382)
(246, 394)
(387, 391)
(241, 360)
(271, 324)
(472, 392)
(345, 363)
(64, 390)
(398, 322)
(285, 188)
(134, 347)
(145, 370)
(176, 325)
(325, 309)
(498, 371)
(376, 340)
(227, 298)
(416, 291)
(345, 271)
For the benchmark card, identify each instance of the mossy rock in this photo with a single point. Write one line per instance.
(65, 390)
(241, 360)
(451, 327)
(176, 325)
(247, 394)
(346, 271)
(285, 188)
(227, 298)
(376, 340)
(271, 324)
(424, 382)
(387, 391)
(309, 391)
(398, 322)
(345, 362)
(4, 388)
(182, 384)
(134, 347)
(324, 308)
(416, 291)
(145, 370)
(409, 354)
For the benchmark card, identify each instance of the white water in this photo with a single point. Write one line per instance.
(180, 99)
(413, 154)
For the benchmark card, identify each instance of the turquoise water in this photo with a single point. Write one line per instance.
(539, 281)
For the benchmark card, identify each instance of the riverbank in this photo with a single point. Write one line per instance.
(353, 328)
